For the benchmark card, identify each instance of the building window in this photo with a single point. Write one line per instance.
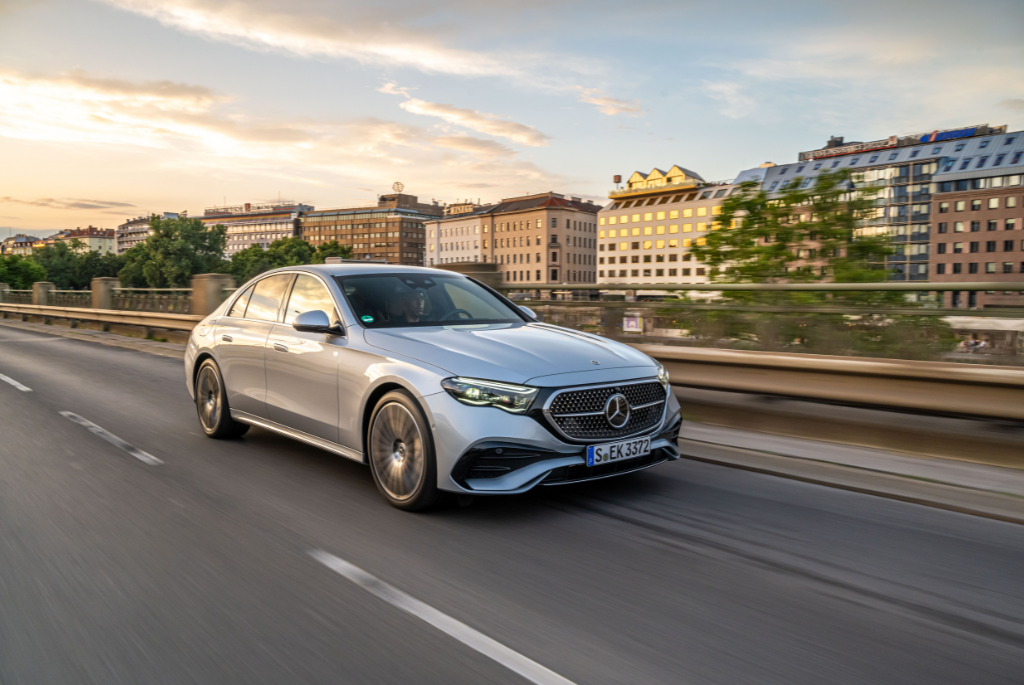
(975, 205)
(893, 156)
(942, 227)
(1007, 267)
(774, 183)
(943, 207)
(941, 248)
(1011, 202)
(958, 227)
(600, 274)
(998, 160)
(1009, 140)
(993, 203)
(936, 150)
(1007, 246)
(960, 205)
(554, 222)
(957, 268)
(993, 224)
(984, 144)
(960, 147)
(966, 163)
(990, 246)
(958, 248)
(699, 271)
(975, 246)
(673, 257)
(1009, 224)
(990, 267)
(940, 269)
(1016, 157)
(981, 162)
(972, 268)
(816, 167)
(914, 153)
(854, 161)
(835, 164)
(975, 226)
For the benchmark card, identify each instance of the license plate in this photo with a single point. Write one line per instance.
(618, 451)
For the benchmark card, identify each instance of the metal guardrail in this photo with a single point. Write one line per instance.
(921, 286)
(175, 322)
(934, 387)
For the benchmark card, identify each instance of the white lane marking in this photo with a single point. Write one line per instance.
(514, 661)
(144, 457)
(19, 386)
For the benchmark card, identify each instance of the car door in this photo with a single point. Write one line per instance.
(302, 367)
(241, 343)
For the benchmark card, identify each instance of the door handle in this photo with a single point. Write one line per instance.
(227, 338)
(280, 348)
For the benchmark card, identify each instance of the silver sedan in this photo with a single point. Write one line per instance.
(435, 381)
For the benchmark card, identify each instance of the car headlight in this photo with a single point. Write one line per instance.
(512, 398)
(663, 376)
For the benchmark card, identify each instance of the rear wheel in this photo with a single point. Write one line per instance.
(212, 404)
(401, 453)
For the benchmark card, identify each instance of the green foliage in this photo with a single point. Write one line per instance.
(20, 272)
(176, 250)
(254, 260)
(67, 267)
(760, 236)
(332, 249)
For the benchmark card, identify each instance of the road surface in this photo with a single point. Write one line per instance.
(211, 562)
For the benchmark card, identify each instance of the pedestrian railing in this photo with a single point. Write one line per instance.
(160, 300)
(68, 298)
(16, 296)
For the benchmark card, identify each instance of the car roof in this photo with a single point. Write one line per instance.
(357, 269)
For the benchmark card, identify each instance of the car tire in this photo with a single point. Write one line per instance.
(400, 449)
(212, 404)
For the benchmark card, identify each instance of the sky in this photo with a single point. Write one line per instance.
(111, 109)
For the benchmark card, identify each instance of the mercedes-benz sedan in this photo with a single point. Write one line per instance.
(437, 382)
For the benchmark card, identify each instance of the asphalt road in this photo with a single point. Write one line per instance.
(199, 569)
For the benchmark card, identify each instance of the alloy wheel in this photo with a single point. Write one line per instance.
(208, 398)
(397, 451)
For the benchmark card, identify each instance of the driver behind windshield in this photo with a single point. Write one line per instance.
(408, 307)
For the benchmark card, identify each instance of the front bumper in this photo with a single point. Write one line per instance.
(488, 451)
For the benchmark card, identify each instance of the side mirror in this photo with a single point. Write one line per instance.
(528, 312)
(316, 321)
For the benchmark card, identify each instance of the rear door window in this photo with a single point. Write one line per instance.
(266, 298)
(309, 295)
(238, 308)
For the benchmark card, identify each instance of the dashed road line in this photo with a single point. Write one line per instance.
(512, 660)
(11, 381)
(144, 457)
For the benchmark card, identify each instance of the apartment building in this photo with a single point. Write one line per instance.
(19, 244)
(646, 233)
(393, 231)
(135, 231)
(255, 224)
(90, 239)
(542, 238)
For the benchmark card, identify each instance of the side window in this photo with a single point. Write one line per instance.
(238, 308)
(309, 295)
(266, 298)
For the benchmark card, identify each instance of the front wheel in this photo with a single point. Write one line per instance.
(401, 453)
(212, 404)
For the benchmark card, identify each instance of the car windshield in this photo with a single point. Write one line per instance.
(400, 300)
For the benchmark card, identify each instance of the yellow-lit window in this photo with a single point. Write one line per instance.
(687, 213)
(715, 211)
(485, 242)
(611, 221)
(648, 230)
(702, 241)
(540, 223)
(648, 216)
(601, 233)
(431, 247)
(715, 225)
(601, 221)
(674, 228)
(674, 214)
(660, 244)
(431, 234)
(702, 227)
(687, 228)
(673, 243)
(623, 246)
(735, 223)
(660, 230)
(647, 244)
(636, 217)
(687, 242)
(661, 216)
(636, 231)
(702, 211)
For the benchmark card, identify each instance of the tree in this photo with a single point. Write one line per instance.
(19, 272)
(59, 261)
(254, 260)
(332, 249)
(176, 250)
(92, 265)
(765, 239)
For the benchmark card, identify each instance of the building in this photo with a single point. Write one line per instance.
(256, 224)
(91, 239)
(394, 230)
(134, 231)
(645, 234)
(950, 201)
(543, 238)
(19, 244)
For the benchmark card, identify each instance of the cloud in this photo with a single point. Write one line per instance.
(368, 34)
(68, 203)
(736, 104)
(478, 146)
(488, 124)
(606, 104)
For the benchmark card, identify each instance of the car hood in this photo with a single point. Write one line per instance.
(513, 353)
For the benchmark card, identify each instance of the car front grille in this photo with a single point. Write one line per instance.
(579, 414)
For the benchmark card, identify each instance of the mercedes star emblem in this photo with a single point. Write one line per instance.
(616, 411)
